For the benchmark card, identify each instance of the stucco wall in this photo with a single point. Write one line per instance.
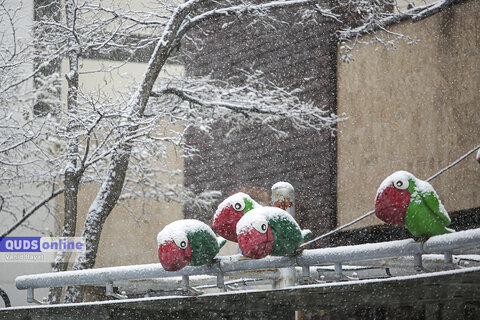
(415, 108)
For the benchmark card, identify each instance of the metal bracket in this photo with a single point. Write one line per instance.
(31, 297)
(191, 291)
(321, 280)
(187, 289)
(110, 293)
(353, 277)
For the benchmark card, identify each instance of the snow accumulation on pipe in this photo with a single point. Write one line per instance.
(325, 256)
(361, 252)
(453, 241)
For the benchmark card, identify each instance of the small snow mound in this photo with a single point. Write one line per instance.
(267, 213)
(240, 196)
(184, 226)
(423, 186)
(306, 233)
(221, 241)
(282, 185)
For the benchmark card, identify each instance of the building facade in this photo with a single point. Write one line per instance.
(291, 55)
(413, 108)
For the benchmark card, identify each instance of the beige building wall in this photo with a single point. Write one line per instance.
(415, 108)
(404, 5)
(129, 233)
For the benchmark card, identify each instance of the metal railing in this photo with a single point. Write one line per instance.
(223, 266)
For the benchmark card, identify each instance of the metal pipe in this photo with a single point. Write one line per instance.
(360, 252)
(326, 256)
(453, 241)
(148, 271)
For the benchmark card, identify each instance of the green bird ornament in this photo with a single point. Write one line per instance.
(404, 200)
(269, 231)
(187, 242)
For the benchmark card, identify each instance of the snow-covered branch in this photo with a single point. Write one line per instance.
(256, 101)
(373, 23)
(233, 8)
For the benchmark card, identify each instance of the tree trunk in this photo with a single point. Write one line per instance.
(111, 188)
(98, 212)
(72, 175)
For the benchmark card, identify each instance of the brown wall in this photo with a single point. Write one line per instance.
(415, 108)
(293, 56)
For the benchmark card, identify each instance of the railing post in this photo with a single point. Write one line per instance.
(417, 261)
(30, 295)
(283, 196)
(338, 270)
(185, 283)
(447, 257)
(109, 288)
(220, 282)
(305, 274)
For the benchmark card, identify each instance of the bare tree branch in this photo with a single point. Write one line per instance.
(32, 211)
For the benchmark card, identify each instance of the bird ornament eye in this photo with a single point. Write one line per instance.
(401, 183)
(260, 225)
(181, 241)
(238, 205)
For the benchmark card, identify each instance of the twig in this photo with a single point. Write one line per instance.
(32, 211)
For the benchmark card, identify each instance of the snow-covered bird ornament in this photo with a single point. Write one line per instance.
(229, 212)
(269, 231)
(404, 200)
(187, 242)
